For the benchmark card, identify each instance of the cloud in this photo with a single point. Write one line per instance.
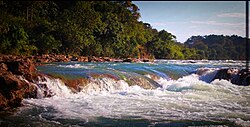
(232, 15)
(166, 23)
(218, 23)
(159, 24)
(218, 28)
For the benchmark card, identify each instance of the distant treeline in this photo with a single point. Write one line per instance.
(218, 47)
(100, 28)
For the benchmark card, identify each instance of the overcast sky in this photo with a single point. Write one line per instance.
(187, 18)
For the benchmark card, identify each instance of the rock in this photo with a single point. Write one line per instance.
(16, 77)
(3, 67)
(51, 58)
(131, 60)
(74, 58)
(243, 78)
(94, 59)
(222, 74)
(145, 60)
(12, 90)
(127, 60)
(76, 85)
(234, 75)
(107, 59)
(83, 59)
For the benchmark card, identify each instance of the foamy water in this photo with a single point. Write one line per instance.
(191, 100)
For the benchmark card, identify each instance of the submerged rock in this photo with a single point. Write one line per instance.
(76, 85)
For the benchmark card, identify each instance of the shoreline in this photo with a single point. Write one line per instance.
(47, 58)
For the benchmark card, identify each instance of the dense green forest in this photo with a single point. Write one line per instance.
(100, 28)
(218, 47)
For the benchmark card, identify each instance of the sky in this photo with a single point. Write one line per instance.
(191, 18)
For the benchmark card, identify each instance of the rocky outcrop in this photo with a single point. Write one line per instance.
(234, 75)
(16, 76)
(131, 60)
(137, 60)
(46, 58)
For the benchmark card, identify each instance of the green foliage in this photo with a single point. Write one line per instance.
(218, 46)
(15, 41)
(99, 28)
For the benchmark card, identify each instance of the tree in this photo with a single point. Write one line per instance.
(218, 46)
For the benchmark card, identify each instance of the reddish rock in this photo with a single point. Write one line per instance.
(46, 58)
(16, 74)
(107, 59)
(83, 59)
(76, 85)
(3, 67)
(12, 90)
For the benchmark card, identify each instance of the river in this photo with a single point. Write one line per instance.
(162, 93)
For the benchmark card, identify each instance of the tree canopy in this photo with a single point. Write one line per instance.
(99, 28)
(218, 47)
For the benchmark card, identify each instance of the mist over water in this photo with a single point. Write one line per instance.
(162, 93)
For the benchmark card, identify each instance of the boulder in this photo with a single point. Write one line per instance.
(16, 77)
(51, 58)
(107, 59)
(131, 60)
(127, 60)
(74, 58)
(12, 90)
(83, 59)
(94, 59)
(234, 75)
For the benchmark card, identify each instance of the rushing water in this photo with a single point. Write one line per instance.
(161, 93)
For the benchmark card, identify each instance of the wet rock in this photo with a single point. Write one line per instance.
(127, 60)
(234, 75)
(16, 76)
(76, 85)
(12, 90)
(46, 92)
(145, 60)
(243, 78)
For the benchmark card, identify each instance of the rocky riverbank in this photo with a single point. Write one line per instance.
(19, 78)
(67, 58)
(16, 77)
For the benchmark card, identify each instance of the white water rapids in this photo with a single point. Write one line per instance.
(180, 97)
(187, 98)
